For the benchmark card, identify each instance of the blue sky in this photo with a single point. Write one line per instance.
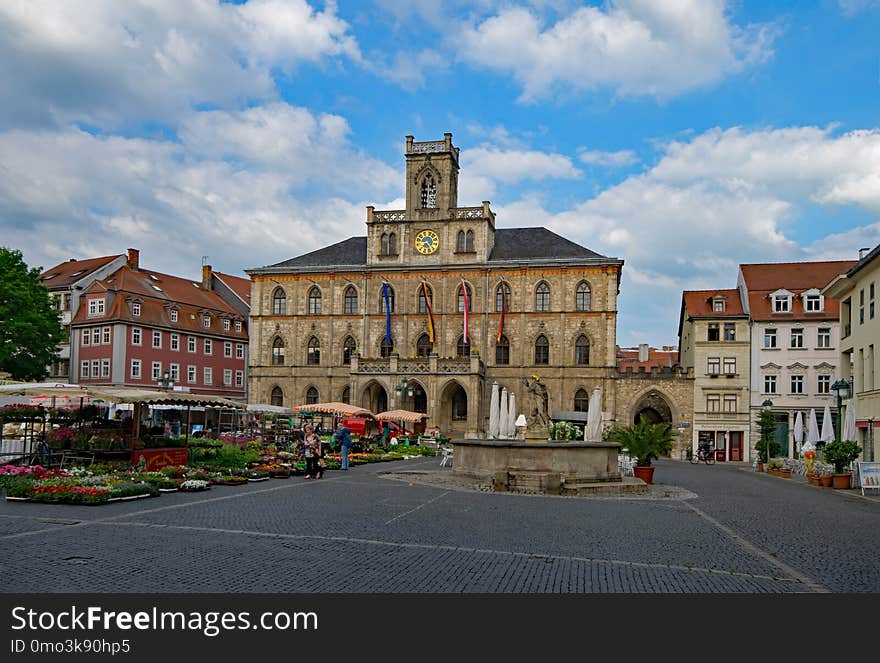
(683, 137)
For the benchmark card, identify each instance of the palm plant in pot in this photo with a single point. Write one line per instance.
(841, 453)
(644, 442)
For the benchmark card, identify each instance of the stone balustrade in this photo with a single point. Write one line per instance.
(417, 365)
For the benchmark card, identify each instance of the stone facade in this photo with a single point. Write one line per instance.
(333, 299)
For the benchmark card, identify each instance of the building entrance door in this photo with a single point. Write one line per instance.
(735, 442)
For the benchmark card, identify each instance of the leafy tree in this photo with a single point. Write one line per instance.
(767, 444)
(30, 327)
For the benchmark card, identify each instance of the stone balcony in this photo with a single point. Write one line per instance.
(431, 365)
(431, 213)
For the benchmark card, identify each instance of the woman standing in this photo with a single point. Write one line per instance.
(311, 453)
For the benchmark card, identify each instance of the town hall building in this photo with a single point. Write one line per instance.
(436, 295)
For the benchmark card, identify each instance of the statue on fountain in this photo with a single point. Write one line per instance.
(538, 422)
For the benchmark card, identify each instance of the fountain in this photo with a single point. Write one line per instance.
(538, 464)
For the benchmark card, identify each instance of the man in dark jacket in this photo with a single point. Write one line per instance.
(343, 437)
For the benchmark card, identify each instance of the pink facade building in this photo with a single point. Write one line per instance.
(136, 327)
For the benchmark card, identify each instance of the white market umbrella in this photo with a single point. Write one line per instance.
(493, 412)
(502, 414)
(593, 431)
(827, 429)
(849, 422)
(510, 429)
(798, 433)
(812, 432)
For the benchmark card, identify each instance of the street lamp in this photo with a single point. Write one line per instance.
(165, 382)
(404, 390)
(841, 390)
(767, 405)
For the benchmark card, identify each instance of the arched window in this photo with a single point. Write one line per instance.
(350, 301)
(313, 354)
(349, 347)
(582, 297)
(581, 400)
(542, 297)
(277, 397)
(386, 348)
(423, 303)
(423, 346)
(346, 395)
(463, 347)
(383, 248)
(392, 244)
(469, 241)
(460, 242)
(459, 404)
(502, 298)
(311, 396)
(542, 350)
(429, 191)
(502, 351)
(582, 351)
(279, 302)
(390, 300)
(315, 301)
(278, 352)
(461, 294)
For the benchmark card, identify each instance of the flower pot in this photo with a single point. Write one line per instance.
(841, 481)
(825, 480)
(759, 467)
(646, 474)
(785, 474)
(813, 478)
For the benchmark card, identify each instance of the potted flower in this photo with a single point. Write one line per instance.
(841, 453)
(644, 442)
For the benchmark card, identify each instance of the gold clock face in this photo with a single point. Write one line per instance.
(427, 242)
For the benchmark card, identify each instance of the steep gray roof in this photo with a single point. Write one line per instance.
(510, 244)
(535, 243)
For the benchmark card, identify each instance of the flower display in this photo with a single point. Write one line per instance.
(193, 485)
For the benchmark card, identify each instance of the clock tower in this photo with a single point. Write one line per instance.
(432, 230)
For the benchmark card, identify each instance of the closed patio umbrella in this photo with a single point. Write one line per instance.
(502, 413)
(493, 412)
(849, 421)
(812, 431)
(798, 433)
(827, 429)
(510, 429)
(593, 431)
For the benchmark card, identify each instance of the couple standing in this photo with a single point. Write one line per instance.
(313, 452)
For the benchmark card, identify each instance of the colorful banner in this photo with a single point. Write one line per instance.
(430, 313)
(466, 306)
(387, 299)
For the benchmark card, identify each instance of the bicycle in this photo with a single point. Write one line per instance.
(704, 454)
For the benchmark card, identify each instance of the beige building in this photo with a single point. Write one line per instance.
(857, 290)
(714, 344)
(350, 321)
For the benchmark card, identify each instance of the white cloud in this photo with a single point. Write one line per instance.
(613, 159)
(107, 63)
(176, 204)
(512, 166)
(634, 47)
(411, 70)
(722, 198)
(853, 7)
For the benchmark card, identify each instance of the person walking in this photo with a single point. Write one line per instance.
(311, 453)
(343, 437)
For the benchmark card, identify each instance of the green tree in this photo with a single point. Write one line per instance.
(30, 327)
(768, 446)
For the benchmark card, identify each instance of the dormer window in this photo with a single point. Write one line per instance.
(718, 305)
(206, 321)
(813, 301)
(96, 306)
(238, 325)
(781, 302)
(173, 315)
(136, 309)
(226, 325)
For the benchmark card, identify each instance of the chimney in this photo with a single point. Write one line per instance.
(863, 252)
(206, 277)
(643, 352)
(133, 259)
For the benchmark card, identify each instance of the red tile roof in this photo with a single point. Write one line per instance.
(70, 272)
(240, 286)
(698, 303)
(628, 358)
(797, 277)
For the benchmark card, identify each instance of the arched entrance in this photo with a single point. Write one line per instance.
(374, 397)
(654, 407)
(453, 416)
(419, 400)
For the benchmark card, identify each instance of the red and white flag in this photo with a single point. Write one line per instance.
(466, 307)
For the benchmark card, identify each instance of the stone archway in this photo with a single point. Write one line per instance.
(655, 406)
(454, 404)
(419, 400)
(374, 397)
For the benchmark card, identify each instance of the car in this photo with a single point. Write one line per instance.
(366, 427)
